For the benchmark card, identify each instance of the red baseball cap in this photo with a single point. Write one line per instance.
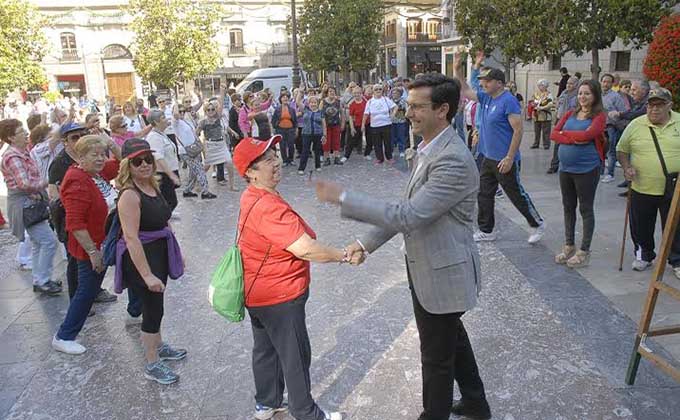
(249, 149)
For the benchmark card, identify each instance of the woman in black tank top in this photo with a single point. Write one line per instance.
(146, 266)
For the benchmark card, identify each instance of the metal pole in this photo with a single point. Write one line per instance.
(296, 64)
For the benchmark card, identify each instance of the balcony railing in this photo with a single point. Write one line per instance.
(423, 37)
(69, 54)
(236, 50)
(390, 38)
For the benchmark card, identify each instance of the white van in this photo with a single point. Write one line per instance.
(273, 78)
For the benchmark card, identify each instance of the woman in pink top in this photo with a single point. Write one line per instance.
(120, 133)
(243, 120)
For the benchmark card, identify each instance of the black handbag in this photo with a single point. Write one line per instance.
(35, 213)
(671, 178)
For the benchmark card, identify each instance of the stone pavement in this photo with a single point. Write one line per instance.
(551, 343)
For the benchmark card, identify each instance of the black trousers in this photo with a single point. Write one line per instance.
(446, 355)
(287, 144)
(489, 178)
(282, 355)
(298, 141)
(382, 141)
(310, 142)
(353, 141)
(167, 188)
(579, 189)
(643, 211)
(369, 141)
(555, 162)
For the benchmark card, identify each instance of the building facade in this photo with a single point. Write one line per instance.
(410, 45)
(90, 46)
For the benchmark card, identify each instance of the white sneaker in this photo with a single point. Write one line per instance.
(537, 234)
(641, 265)
(333, 416)
(484, 237)
(401, 155)
(617, 164)
(132, 320)
(368, 157)
(343, 159)
(607, 179)
(67, 346)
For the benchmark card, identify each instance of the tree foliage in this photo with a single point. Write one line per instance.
(523, 30)
(22, 46)
(174, 39)
(340, 35)
(663, 57)
(594, 25)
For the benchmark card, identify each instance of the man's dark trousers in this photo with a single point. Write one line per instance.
(489, 178)
(446, 355)
(643, 211)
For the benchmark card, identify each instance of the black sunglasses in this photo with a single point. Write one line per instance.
(210, 109)
(73, 137)
(137, 160)
(181, 111)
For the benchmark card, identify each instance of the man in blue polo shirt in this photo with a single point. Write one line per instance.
(500, 133)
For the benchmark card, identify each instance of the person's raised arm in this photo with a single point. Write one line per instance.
(466, 90)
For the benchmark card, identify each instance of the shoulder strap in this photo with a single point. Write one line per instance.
(658, 151)
(238, 232)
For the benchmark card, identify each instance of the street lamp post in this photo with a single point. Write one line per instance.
(296, 64)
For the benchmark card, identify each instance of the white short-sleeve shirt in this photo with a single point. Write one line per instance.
(379, 110)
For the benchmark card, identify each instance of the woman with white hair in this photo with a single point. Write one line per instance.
(165, 154)
(543, 108)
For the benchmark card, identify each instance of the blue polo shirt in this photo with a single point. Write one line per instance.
(495, 131)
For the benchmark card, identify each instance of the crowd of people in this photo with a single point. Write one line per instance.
(104, 185)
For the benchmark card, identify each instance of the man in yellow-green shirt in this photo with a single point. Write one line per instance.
(642, 166)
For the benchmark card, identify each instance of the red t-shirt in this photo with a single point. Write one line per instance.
(356, 112)
(272, 225)
(85, 206)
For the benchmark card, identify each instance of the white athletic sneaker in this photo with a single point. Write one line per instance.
(343, 159)
(537, 234)
(484, 237)
(607, 179)
(401, 155)
(67, 346)
(368, 157)
(641, 265)
(333, 416)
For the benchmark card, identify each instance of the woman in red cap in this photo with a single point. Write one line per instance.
(277, 246)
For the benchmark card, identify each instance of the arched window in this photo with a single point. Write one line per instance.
(116, 51)
(236, 41)
(69, 49)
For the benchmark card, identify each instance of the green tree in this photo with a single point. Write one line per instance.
(595, 24)
(340, 35)
(174, 39)
(22, 46)
(522, 30)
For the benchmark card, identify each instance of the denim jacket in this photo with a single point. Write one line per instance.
(312, 122)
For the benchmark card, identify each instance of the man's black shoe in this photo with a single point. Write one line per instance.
(551, 171)
(624, 184)
(208, 196)
(472, 409)
(534, 146)
(189, 194)
(623, 194)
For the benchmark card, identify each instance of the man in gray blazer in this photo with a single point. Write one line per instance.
(436, 217)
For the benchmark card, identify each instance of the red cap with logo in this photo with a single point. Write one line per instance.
(249, 149)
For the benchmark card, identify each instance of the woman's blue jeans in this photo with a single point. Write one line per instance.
(89, 284)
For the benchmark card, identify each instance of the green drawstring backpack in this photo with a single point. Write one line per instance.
(226, 291)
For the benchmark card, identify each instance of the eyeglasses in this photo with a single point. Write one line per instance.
(210, 109)
(161, 102)
(73, 137)
(181, 111)
(137, 160)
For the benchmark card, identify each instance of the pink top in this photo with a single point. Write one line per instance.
(121, 139)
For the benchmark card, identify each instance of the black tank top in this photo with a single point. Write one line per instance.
(154, 212)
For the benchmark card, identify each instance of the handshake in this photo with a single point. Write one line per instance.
(354, 254)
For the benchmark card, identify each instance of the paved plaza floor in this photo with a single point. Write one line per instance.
(551, 343)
